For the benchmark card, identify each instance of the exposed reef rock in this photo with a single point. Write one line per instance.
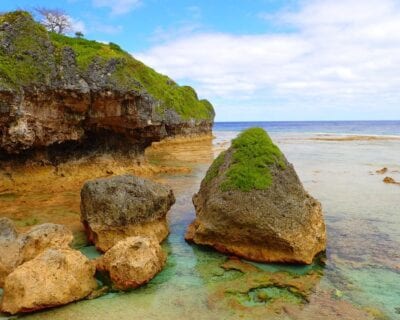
(62, 96)
(53, 278)
(119, 207)
(16, 249)
(252, 204)
(132, 262)
(390, 180)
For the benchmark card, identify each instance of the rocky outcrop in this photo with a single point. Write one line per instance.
(390, 180)
(115, 208)
(16, 249)
(252, 204)
(132, 262)
(53, 278)
(56, 103)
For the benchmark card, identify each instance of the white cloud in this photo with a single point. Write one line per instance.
(118, 6)
(77, 25)
(340, 52)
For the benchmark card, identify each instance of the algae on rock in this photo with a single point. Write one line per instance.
(251, 203)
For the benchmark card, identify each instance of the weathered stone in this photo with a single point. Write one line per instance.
(115, 208)
(132, 262)
(278, 223)
(16, 248)
(42, 237)
(55, 277)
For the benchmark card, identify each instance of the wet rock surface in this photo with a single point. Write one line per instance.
(116, 208)
(281, 223)
(15, 249)
(53, 278)
(132, 262)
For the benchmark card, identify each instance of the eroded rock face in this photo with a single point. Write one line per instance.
(281, 223)
(132, 262)
(55, 277)
(16, 249)
(115, 208)
(63, 110)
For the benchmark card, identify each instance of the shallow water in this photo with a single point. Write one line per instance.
(358, 278)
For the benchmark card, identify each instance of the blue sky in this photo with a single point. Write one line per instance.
(260, 59)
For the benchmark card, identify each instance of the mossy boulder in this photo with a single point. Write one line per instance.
(252, 204)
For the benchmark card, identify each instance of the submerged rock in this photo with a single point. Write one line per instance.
(252, 204)
(55, 277)
(390, 180)
(132, 262)
(119, 207)
(382, 171)
(16, 249)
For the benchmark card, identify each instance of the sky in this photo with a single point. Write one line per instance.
(259, 60)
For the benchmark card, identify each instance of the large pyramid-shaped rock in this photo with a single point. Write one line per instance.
(252, 204)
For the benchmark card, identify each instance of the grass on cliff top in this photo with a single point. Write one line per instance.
(254, 153)
(26, 62)
(132, 74)
(33, 52)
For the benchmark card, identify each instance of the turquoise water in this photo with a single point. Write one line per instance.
(358, 278)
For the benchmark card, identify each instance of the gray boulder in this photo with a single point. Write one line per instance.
(119, 207)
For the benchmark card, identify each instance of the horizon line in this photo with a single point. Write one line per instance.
(255, 121)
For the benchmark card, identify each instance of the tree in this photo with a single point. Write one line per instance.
(79, 34)
(54, 20)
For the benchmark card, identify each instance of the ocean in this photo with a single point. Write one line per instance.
(337, 127)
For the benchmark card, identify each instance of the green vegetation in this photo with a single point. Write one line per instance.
(254, 153)
(34, 52)
(212, 172)
(22, 53)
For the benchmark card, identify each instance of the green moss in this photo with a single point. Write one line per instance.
(86, 51)
(35, 51)
(213, 171)
(254, 153)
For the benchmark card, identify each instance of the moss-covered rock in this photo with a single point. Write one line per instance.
(251, 203)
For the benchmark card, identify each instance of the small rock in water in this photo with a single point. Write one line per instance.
(132, 262)
(382, 171)
(390, 180)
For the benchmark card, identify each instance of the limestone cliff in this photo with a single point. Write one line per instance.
(62, 95)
